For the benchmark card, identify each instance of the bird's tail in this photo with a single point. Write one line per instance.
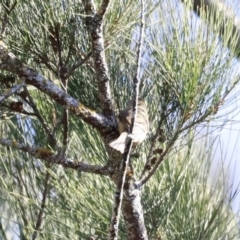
(119, 143)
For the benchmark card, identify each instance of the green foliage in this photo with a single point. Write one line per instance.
(187, 73)
(185, 202)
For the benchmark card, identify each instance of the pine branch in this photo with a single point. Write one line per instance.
(11, 91)
(150, 153)
(226, 14)
(113, 231)
(65, 117)
(160, 160)
(65, 129)
(103, 8)
(94, 23)
(78, 64)
(42, 208)
(50, 134)
(212, 110)
(50, 157)
(11, 64)
(43, 59)
(7, 12)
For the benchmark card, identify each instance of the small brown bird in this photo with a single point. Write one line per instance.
(141, 126)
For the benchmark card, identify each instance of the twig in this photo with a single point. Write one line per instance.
(11, 64)
(52, 139)
(44, 59)
(73, 27)
(78, 64)
(113, 231)
(154, 139)
(65, 129)
(65, 121)
(16, 109)
(8, 11)
(179, 131)
(11, 91)
(38, 226)
(151, 172)
(103, 8)
(50, 157)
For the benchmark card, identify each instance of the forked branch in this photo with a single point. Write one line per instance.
(129, 184)
(10, 63)
(51, 157)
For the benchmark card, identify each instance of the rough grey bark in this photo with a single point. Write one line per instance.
(133, 213)
(132, 210)
(10, 63)
(133, 201)
(105, 123)
(49, 156)
(94, 22)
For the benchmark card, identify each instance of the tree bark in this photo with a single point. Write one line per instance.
(133, 211)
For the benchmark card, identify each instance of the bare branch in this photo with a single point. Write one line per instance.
(103, 8)
(51, 136)
(153, 140)
(132, 210)
(65, 129)
(43, 59)
(43, 205)
(11, 91)
(50, 157)
(10, 63)
(95, 28)
(65, 125)
(113, 231)
(78, 64)
(7, 12)
(160, 160)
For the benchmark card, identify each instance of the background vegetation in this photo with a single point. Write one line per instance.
(187, 73)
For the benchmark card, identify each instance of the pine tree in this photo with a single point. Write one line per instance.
(66, 70)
